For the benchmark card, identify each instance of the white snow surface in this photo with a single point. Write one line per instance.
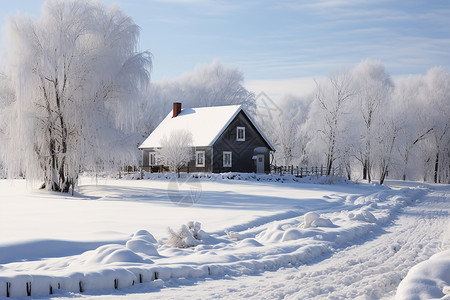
(252, 236)
(429, 279)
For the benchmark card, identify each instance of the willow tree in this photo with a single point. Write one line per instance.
(77, 77)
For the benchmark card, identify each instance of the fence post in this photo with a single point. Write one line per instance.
(297, 171)
(301, 172)
(8, 287)
(28, 288)
(292, 169)
(321, 170)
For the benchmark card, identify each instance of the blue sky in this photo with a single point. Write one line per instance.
(285, 41)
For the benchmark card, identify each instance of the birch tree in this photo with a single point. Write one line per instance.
(77, 76)
(373, 87)
(325, 121)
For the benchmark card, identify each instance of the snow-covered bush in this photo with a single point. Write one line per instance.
(188, 235)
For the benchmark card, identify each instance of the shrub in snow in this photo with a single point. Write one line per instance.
(188, 235)
(446, 290)
(313, 219)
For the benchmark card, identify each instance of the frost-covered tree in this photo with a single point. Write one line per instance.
(407, 108)
(176, 149)
(373, 87)
(77, 78)
(209, 85)
(325, 126)
(385, 139)
(437, 120)
(282, 122)
(7, 98)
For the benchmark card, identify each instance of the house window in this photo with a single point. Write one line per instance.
(227, 158)
(152, 159)
(240, 134)
(200, 158)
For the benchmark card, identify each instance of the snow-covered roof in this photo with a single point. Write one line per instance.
(205, 123)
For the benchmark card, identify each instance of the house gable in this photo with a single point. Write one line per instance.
(243, 151)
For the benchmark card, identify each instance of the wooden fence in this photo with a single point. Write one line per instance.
(303, 171)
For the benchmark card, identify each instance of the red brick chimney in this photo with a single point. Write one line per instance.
(176, 109)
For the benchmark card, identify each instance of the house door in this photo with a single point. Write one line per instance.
(260, 163)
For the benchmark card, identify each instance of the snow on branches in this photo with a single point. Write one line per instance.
(76, 76)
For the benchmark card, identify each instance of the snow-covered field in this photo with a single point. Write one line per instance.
(262, 237)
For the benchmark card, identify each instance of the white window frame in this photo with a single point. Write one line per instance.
(197, 164)
(153, 162)
(225, 163)
(242, 139)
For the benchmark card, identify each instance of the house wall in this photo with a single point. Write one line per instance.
(145, 157)
(191, 165)
(242, 151)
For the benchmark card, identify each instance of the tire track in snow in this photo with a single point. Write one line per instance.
(374, 269)
(371, 270)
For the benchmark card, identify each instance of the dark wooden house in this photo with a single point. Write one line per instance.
(225, 139)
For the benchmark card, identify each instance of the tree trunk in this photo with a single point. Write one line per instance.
(365, 170)
(383, 176)
(436, 168)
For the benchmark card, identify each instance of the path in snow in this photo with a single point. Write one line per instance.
(370, 270)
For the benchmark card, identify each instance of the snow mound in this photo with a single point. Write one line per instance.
(274, 233)
(313, 219)
(429, 279)
(292, 234)
(363, 215)
(249, 243)
(143, 242)
(113, 253)
(146, 236)
(234, 236)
